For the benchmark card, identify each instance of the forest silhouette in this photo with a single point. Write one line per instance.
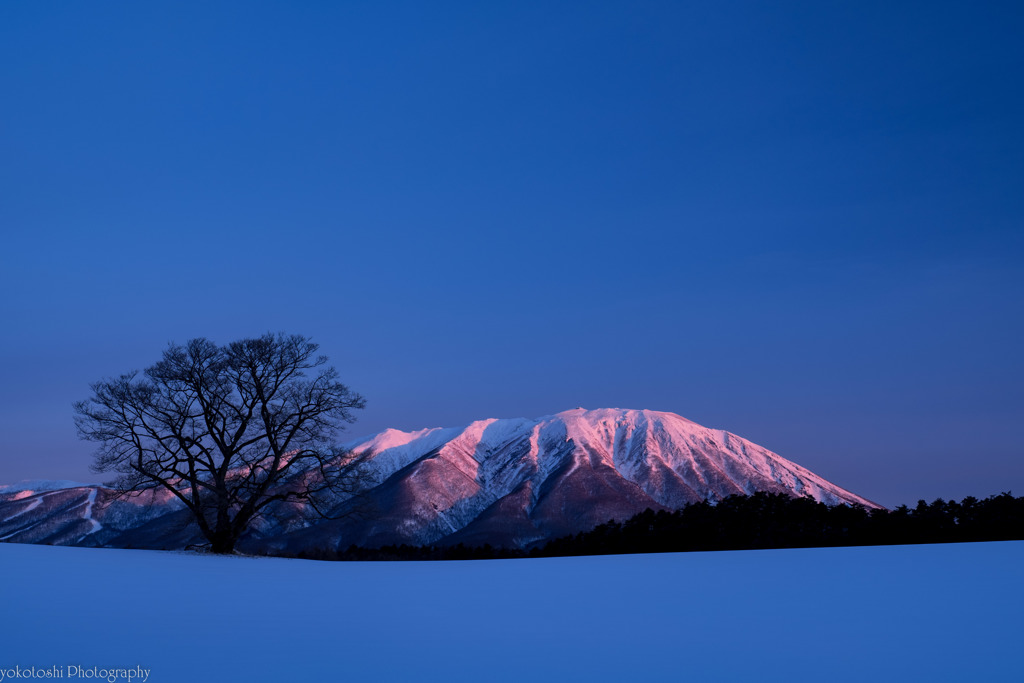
(758, 521)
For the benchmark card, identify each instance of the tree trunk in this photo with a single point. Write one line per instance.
(222, 544)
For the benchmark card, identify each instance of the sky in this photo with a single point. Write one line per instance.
(799, 222)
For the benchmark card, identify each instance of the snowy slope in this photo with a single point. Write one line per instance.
(897, 613)
(39, 485)
(511, 482)
(516, 482)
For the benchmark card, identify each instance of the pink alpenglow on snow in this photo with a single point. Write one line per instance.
(508, 482)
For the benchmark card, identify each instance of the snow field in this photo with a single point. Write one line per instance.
(897, 613)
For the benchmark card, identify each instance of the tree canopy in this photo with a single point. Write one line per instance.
(229, 430)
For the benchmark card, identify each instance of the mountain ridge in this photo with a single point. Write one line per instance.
(510, 482)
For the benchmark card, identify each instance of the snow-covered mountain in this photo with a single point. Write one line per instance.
(511, 482)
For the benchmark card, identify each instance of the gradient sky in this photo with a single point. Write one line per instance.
(800, 222)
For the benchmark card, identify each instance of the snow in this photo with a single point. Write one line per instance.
(938, 612)
(36, 485)
(90, 501)
(22, 530)
(670, 459)
(28, 508)
(393, 449)
(630, 441)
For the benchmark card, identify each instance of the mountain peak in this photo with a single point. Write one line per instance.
(508, 482)
(560, 472)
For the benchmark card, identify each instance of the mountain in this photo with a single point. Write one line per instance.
(510, 483)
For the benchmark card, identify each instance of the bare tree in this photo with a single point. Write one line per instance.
(229, 430)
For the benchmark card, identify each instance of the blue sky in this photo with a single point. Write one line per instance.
(798, 222)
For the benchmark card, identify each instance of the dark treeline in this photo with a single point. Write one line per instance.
(759, 521)
(767, 520)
